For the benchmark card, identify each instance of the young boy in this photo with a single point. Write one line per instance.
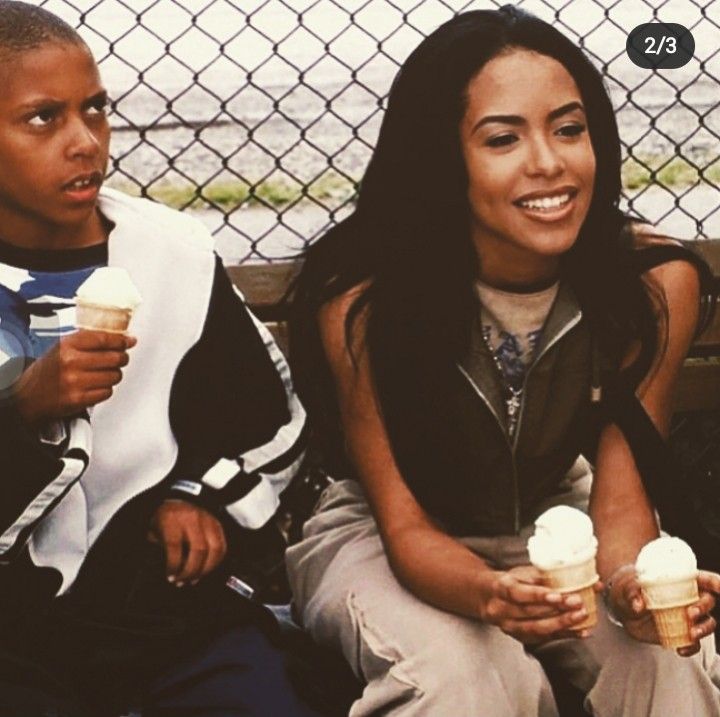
(184, 433)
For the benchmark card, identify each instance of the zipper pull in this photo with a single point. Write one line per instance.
(595, 384)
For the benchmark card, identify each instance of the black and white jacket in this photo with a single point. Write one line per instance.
(205, 406)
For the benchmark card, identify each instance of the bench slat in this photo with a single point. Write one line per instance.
(698, 386)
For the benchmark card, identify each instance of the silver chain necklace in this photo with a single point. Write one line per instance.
(512, 396)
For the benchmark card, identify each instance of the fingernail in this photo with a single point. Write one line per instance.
(195, 582)
(584, 633)
(636, 605)
(179, 584)
(171, 578)
(573, 601)
(553, 597)
(580, 614)
(693, 612)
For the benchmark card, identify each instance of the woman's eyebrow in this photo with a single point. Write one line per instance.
(565, 109)
(501, 119)
(518, 120)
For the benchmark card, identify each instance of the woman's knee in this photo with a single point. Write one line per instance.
(446, 665)
(652, 681)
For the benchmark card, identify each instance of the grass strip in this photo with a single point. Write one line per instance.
(330, 189)
(674, 172)
(333, 189)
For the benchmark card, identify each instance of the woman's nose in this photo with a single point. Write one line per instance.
(544, 159)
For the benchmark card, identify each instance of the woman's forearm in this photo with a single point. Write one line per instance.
(622, 514)
(439, 570)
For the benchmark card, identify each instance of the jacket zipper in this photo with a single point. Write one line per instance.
(513, 446)
(568, 327)
(503, 431)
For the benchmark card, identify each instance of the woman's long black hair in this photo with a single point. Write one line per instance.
(409, 245)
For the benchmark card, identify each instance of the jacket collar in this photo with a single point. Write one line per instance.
(479, 367)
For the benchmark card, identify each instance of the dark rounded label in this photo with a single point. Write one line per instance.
(660, 45)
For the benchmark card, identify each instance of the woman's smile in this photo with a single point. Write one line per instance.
(548, 207)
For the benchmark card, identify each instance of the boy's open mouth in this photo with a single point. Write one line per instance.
(83, 187)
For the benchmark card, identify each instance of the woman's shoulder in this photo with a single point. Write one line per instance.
(644, 236)
(669, 261)
(332, 315)
(332, 319)
(336, 308)
(644, 233)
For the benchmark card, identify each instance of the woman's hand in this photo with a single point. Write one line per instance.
(518, 603)
(628, 605)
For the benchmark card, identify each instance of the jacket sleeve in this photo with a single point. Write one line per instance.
(239, 425)
(37, 471)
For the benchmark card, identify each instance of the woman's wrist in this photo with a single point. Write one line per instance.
(617, 578)
(485, 585)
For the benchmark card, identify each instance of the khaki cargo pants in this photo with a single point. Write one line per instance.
(418, 660)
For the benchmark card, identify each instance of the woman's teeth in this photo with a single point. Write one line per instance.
(546, 203)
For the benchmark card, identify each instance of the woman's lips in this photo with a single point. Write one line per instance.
(549, 215)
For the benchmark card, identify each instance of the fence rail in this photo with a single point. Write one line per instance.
(260, 116)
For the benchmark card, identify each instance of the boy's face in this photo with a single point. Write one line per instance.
(54, 142)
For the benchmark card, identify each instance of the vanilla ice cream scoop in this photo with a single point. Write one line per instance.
(665, 559)
(563, 536)
(106, 300)
(109, 286)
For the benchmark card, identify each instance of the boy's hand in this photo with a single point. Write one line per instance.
(78, 372)
(193, 540)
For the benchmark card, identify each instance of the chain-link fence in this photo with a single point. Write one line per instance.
(261, 115)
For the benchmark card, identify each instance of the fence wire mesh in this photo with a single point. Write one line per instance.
(260, 116)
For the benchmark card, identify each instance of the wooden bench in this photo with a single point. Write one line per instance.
(699, 384)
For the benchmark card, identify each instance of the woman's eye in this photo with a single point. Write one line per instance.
(572, 130)
(501, 141)
(42, 118)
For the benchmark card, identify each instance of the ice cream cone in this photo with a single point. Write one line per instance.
(667, 572)
(563, 549)
(580, 579)
(105, 301)
(112, 319)
(668, 600)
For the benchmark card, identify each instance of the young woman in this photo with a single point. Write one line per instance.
(461, 341)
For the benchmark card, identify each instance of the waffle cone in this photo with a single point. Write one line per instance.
(579, 579)
(667, 602)
(112, 319)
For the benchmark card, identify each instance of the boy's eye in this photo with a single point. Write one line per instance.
(572, 130)
(41, 118)
(501, 141)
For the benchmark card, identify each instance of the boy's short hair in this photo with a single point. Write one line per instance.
(25, 27)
